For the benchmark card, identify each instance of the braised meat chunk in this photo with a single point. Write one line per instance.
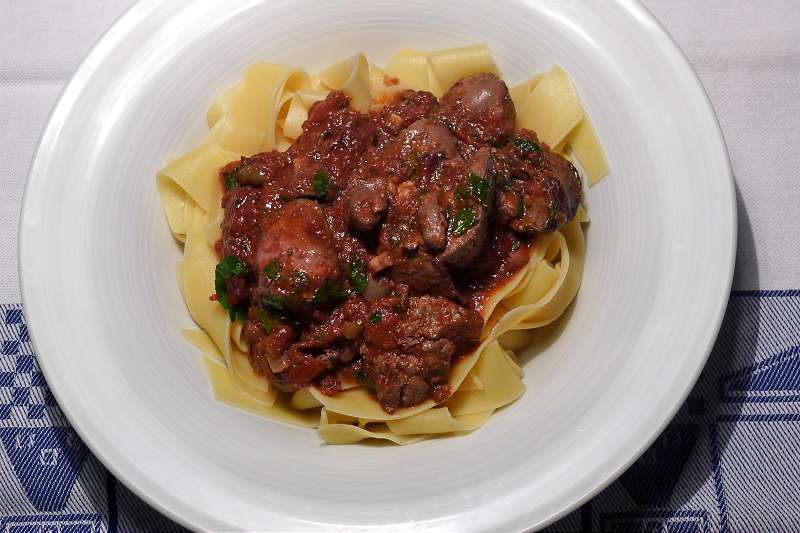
(417, 152)
(409, 107)
(295, 258)
(478, 110)
(470, 198)
(431, 221)
(242, 222)
(333, 141)
(330, 344)
(407, 349)
(424, 274)
(266, 167)
(362, 255)
(540, 189)
(367, 201)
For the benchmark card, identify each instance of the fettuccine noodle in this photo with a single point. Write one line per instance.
(265, 111)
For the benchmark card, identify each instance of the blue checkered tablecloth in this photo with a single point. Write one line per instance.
(729, 461)
(49, 482)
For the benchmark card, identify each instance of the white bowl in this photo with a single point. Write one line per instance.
(98, 275)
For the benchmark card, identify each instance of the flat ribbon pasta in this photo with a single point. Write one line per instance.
(338, 430)
(199, 264)
(586, 146)
(266, 110)
(226, 392)
(382, 85)
(351, 76)
(191, 183)
(452, 64)
(501, 379)
(437, 71)
(549, 104)
(244, 118)
(412, 68)
(552, 109)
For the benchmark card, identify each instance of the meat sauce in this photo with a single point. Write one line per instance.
(364, 252)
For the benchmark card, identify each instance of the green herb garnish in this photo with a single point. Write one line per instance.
(273, 301)
(357, 272)
(526, 145)
(273, 270)
(480, 188)
(329, 293)
(321, 184)
(465, 218)
(268, 322)
(230, 179)
(375, 317)
(229, 267)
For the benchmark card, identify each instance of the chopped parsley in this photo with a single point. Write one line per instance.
(230, 179)
(526, 145)
(273, 270)
(375, 317)
(229, 267)
(398, 307)
(321, 184)
(480, 188)
(357, 272)
(268, 322)
(329, 293)
(273, 301)
(465, 218)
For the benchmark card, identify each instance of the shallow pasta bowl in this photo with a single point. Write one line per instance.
(97, 262)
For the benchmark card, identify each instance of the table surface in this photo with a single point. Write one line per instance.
(729, 460)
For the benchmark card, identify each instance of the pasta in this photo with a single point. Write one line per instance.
(265, 111)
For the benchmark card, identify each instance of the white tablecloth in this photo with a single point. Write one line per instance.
(729, 462)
